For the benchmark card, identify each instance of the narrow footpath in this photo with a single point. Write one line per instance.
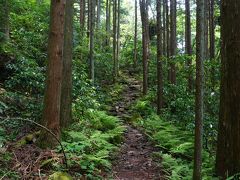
(134, 161)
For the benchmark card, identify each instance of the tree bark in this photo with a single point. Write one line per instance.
(108, 10)
(135, 35)
(188, 41)
(164, 28)
(98, 13)
(200, 55)
(173, 39)
(228, 148)
(114, 40)
(52, 99)
(145, 42)
(91, 39)
(66, 96)
(159, 59)
(212, 39)
(82, 14)
(206, 18)
(118, 35)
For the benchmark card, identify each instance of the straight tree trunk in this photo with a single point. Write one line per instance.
(114, 40)
(164, 27)
(145, 42)
(66, 95)
(118, 35)
(4, 19)
(200, 55)
(91, 41)
(108, 9)
(168, 38)
(228, 147)
(173, 39)
(52, 98)
(188, 41)
(135, 35)
(206, 18)
(159, 59)
(82, 14)
(89, 17)
(167, 29)
(212, 39)
(212, 29)
(98, 13)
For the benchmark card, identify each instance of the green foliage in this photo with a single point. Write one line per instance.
(27, 77)
(90, 142)
(175, 142)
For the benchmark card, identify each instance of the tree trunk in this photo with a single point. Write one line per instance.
(118, 35)
(212, 39)
(66, 96)
(135, 35)
(91, 41)
(188, 41)
(114, 40)
(108, 10)
(82, 14)
(173, 39)
(159, 59)
(164, 28)
(200, 55)
(145, 42)
(206, 18)
(52, 99)
(98, 13)
(4, 19)
(228, 148)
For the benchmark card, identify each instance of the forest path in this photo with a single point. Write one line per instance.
(134, 160)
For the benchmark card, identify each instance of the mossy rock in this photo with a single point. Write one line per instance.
(60, 176)
(28, 139)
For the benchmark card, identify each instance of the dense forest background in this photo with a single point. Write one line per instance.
(80, 78)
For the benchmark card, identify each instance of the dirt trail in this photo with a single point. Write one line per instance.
(134, 160)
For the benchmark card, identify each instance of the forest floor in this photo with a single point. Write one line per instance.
(134, 160)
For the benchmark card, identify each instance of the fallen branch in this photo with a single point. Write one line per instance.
(43, 127)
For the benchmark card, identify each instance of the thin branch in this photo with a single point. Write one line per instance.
(43, 127)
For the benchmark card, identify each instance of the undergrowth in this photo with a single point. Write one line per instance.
(176, 145)
(91, 142)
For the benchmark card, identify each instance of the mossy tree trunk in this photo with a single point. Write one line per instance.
(200, 55)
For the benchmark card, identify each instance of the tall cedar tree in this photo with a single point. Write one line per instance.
(135, 34)
(212, 38)
(82, 14)
(92, 4)
(206, 18)
(108, 20)
(114, 40)
(164, 28)
(99, 3)
(188, 42)
(200, 55)
(228, 148)
(145, 42)
(118, 35)
(52, 98)
(173, 39)
(159, 59)
(66, 96)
